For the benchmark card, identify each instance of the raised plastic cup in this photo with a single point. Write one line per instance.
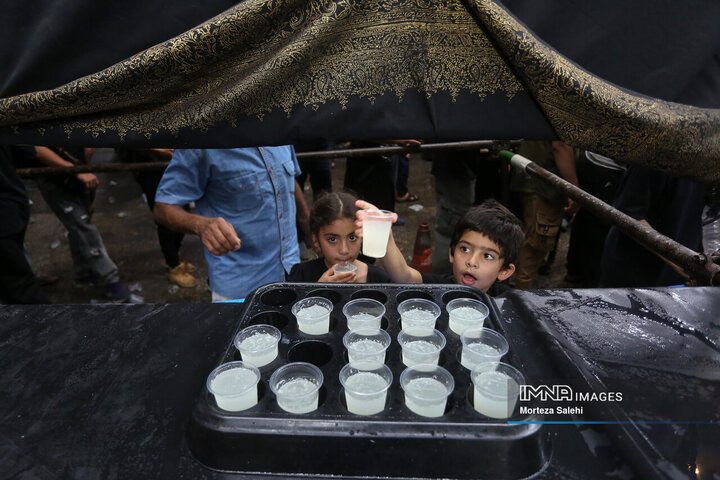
(258, 344)
(481, 345)
(376, 232)
(418, 313)
(363, 313)
(234, 386)
(366, 386)
(420, 346)
(426, 389)
(344, 267)
(465, 313)
(313, 315)
(297, 386)
(496, 389)
(366, 345)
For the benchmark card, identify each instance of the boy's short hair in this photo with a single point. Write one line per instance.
(495, 222)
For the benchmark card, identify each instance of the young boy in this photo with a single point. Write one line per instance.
(483, 249)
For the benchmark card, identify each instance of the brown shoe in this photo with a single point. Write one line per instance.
(181, 277)
(188, 266)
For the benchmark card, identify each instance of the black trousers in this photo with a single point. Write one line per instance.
(18, 283)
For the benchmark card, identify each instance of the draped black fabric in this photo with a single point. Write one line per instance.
(285, 71)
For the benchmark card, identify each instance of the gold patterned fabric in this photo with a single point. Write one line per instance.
(284, 71)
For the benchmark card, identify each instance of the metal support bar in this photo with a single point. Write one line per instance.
(697, 265)
(339, 153)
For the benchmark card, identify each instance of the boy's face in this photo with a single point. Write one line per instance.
(337, 242)
(476, 261)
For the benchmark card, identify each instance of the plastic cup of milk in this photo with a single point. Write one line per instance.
(258, 344)
(297, 386)
(366, 386)
(366, 345)
(234, 386)
(363, 313)
(344, 267)
(313, 315)
(420, 347)
(496, 388)
(376, 232)
(418, 313)
(426, 389)
(466, 313)
(481, 345)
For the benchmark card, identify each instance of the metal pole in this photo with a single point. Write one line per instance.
(339, 153)
(698, 265)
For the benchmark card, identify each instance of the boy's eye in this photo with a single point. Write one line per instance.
(352, 237)
(332, 239)
(464, 249)
(489, 256)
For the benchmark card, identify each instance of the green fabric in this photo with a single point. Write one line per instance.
(541, 153)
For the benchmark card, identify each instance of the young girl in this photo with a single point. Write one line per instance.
(332, 224)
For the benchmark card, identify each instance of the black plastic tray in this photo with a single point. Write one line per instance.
(331, 440)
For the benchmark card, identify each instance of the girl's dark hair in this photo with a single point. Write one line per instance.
(329, 208)
(495, 222)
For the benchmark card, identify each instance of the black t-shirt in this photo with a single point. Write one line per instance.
(312, 271)
(437, 279)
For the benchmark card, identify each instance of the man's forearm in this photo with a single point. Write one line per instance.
(177, 219)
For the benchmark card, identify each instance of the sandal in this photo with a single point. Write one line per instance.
(407, 198)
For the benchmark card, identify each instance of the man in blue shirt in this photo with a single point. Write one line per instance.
(244, 199)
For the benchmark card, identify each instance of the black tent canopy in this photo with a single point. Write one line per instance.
(608, 77)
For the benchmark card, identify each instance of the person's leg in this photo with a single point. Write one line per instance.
(18, 283)
(453, 199)
(403, 173)
(321, 176)
(90, 259)
(541, 221)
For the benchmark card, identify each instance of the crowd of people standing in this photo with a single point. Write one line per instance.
(248, 208)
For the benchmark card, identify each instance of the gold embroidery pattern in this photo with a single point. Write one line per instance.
(265, 55)
(592, 114)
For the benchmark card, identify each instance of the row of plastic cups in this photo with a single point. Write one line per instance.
(463, 313)
(313, 314)
(420, 346)
(296, 386)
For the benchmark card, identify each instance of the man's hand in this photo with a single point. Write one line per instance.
(572, 207)
(218, 235)
(89, 180)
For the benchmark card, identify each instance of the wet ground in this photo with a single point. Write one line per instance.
(125, 222)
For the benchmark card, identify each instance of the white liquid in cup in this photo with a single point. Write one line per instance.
(426, 387)
(293, 395)
(344, 267)
(362, 320)
(259, 349)
(226, 386)
(420, 351)
(495, 394)
(375, 236)
(313, 320)
(465, 317)
(366, 350)
(358, 388)
(478, 353)
(418, 318)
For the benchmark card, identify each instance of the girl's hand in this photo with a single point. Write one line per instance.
(360, 215)
(330, 277)
(361, 272)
